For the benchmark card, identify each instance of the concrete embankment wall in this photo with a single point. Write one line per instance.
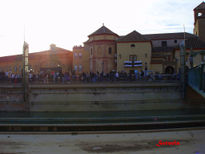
(11, 98)
(96, 97)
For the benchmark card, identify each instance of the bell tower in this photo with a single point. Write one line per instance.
(199, 21)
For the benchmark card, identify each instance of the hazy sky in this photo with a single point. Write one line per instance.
(68, 22)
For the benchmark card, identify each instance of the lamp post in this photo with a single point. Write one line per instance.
(25, 75)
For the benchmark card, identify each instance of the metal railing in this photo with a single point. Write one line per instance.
(196, 77)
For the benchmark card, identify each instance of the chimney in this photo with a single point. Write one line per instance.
(52, 47)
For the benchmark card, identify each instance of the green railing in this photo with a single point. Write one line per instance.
(196, 77)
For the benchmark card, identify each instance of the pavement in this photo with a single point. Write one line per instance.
(190, 142)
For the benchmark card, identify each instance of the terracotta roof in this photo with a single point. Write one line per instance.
(103, 30)
(167, 36)
(33, 54)
(132, 37)
(10, 58)
(200, 6)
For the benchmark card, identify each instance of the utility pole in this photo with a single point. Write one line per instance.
(25, 75)
(182, 67)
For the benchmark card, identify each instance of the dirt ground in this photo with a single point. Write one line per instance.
(191, 142)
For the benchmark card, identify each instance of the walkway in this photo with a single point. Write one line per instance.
(190, 142)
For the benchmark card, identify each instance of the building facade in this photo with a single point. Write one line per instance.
(156, 52)
(164, 56)
(199, 21)
(54, 59)
(80, 60)
(106, 51)
(133, 52)
(102, 48)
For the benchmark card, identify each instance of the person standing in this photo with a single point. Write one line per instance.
(191, 60)
(136, 74)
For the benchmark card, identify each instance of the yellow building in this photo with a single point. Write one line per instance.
(199, 21)
(133, 52)
(107, 51)
(80, 60)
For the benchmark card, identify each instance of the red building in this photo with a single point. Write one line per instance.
(53, 59)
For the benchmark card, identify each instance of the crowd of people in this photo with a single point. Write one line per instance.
(59, 77)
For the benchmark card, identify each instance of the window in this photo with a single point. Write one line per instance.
(169, 58)
(80, 68)
(132, 45)
(110, 50)
(145, 55)
(164, 43)
(175, 41)
(75, 67)
(132, 57)
(199, 14)
(75, 54)
(80, 54)
(15, 68)
(30, 67)
(19, 68)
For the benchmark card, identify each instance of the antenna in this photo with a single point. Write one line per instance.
(24, 33)
(184, 35)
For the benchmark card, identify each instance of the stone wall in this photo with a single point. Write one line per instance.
(11, 98)
(108, 97)
(93, 97)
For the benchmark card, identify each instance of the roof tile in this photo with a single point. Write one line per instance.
(167, 36)
(200, 6)
(132, 37)
(103, 30)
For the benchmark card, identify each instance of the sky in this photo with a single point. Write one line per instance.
(68, 22)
